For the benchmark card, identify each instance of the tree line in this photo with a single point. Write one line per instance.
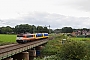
(23, 28)
(26, 28)
(70, 30)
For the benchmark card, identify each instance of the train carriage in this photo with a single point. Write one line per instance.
(24, 38)
(39, 35)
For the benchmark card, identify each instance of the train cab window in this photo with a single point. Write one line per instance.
(29, 36)
(20, 36)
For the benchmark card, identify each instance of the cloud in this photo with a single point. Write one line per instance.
(16, 8)
(54, 20)
(83, 5)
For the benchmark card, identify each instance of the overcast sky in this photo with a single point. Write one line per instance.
(56, 13)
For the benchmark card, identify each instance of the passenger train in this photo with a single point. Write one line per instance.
(24, 38)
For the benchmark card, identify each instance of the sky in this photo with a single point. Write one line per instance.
(56, 13)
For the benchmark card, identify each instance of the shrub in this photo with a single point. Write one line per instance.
(72, 51)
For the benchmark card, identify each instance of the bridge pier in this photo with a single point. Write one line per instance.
(35, 52)
(39, 47)
(38, 50)
(21, 56)
(32, 54)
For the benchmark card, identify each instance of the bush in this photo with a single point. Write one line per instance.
(72, 51)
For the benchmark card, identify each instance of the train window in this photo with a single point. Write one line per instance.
(20, 36)
(29, 36)
(45, 34)
(39, 35)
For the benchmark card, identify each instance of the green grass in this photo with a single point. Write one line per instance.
(7, 39)
(79, 39)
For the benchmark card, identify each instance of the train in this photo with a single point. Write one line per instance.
(24, 38)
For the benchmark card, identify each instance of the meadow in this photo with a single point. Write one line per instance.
(7, 39)
(85, 40)
(79, 39)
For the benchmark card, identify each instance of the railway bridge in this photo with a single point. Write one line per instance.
(21, 51)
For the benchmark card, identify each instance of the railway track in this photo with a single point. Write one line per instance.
(9, 50)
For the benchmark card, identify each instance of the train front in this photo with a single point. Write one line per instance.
(20, 37)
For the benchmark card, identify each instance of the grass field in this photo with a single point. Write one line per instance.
(79, 39)
(85, 40)
(7, 39)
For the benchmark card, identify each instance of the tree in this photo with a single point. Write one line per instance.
(39, 29)
(0, 31)
(33, 29)
(6, 29)
(45, 30)
(23, 28)
(57, 30)
(67, 30)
